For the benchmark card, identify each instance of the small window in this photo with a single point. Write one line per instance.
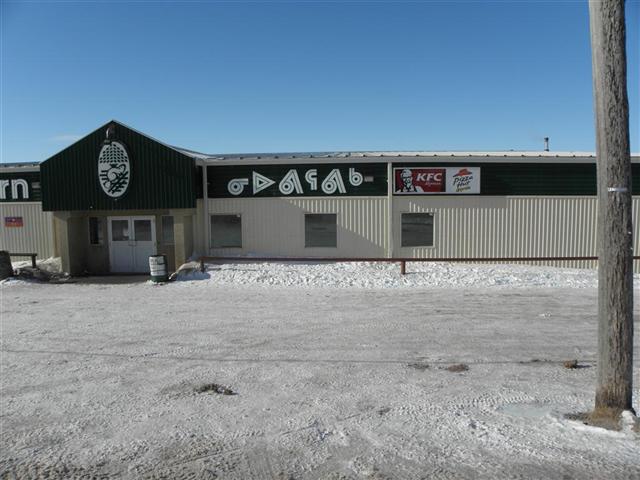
(120, 230)
(417, 229)
(226, 231)
(167, 230)
(320, 230)
(142, 231)
(95, 231)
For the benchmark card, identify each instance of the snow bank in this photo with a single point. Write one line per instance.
(51, 264)
(387, 275)
(371, 275)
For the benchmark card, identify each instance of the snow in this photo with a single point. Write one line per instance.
(51, 264)
(369, 275)
(339, 376)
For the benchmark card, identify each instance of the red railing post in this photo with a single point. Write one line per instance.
(403, 267)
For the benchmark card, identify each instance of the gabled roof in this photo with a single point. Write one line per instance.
(126, 126)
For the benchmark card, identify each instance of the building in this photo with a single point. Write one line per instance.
(107, 202)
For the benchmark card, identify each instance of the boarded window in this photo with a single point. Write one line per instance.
(226, 231)
(167, 230)
(320, 230)
(95, 231)
(417, 229)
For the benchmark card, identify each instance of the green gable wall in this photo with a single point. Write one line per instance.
(161, 177)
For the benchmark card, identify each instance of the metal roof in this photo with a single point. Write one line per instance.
(382, 154)
(407, 157)
(20, 166)
(359, 156)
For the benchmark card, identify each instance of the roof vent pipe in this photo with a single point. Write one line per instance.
(546, 144)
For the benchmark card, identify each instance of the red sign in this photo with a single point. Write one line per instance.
(13, 222)
(419, 180)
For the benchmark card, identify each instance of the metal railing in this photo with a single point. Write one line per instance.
(32, 255)
(402, 261)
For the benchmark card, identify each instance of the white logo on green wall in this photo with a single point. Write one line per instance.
(114, 169)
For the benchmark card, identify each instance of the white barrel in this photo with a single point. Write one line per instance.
(158, 268)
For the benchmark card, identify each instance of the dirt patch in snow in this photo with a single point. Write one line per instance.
(457, 368)
(215, 388)
(600, 421)
(419, 366)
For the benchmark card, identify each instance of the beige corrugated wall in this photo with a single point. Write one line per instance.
(36, 236)
(508, 227)
(477, 226)
(275, 226)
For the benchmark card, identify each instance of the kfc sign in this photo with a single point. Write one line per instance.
(447, 180)
(419, 180)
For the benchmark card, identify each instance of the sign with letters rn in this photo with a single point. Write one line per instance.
(436, 180)
(14, 189)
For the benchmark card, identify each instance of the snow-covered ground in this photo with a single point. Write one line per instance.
(387, 275)
(336, 375)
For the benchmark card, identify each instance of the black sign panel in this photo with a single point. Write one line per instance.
(20, 187)
(335, 179)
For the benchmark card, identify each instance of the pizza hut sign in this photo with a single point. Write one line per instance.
(436, 180)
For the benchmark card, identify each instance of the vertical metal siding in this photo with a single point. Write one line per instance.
(508, 226)
(275, 226)
(36, 236)
(463, 227)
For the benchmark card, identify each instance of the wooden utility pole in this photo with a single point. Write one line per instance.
(615, 228)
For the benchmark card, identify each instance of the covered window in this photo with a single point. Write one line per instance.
(226, 231)
(417, 229)
(95, 231)
(320, 230)
(167, 230)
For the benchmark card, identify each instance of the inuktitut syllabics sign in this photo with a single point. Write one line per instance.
(297, 180)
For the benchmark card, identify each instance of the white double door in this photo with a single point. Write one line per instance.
(131, 241)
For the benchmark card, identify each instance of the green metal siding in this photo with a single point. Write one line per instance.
(535, 178)
(538, 179)
(160, 176)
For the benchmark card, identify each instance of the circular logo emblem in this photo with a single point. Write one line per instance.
(114, 169)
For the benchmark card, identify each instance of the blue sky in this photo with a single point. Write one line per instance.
(304, 76)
